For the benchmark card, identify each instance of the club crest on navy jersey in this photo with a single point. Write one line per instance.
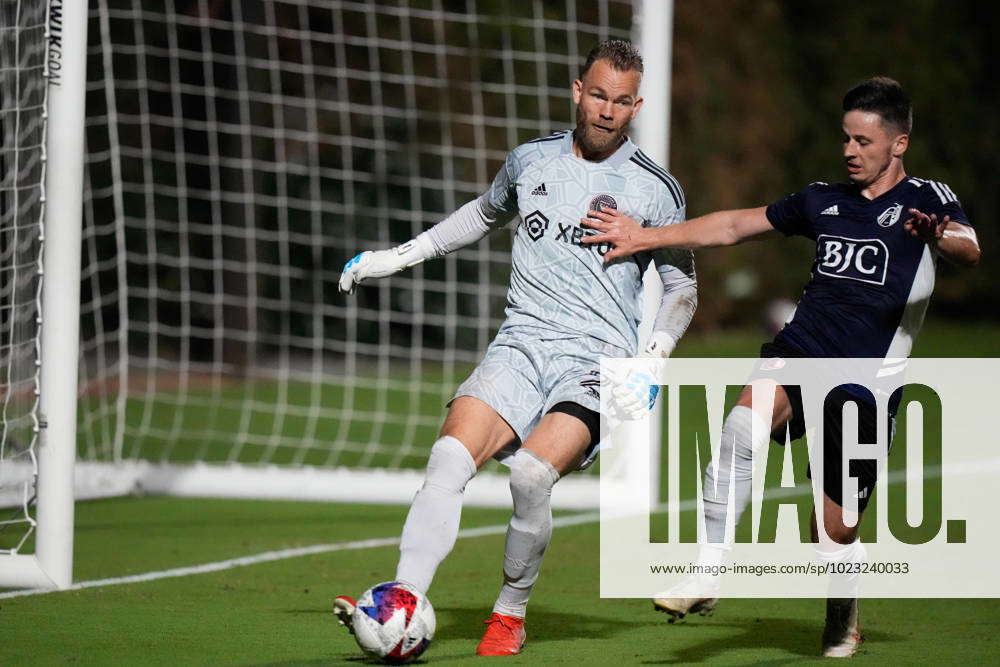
(890, 216)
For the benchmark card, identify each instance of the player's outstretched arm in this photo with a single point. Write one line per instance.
(382, 263)
(467, 225)
(955, 242)
(721, 228)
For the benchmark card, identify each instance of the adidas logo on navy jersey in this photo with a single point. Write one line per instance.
(830, 211)
(540, 191)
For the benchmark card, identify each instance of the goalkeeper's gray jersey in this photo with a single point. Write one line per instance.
(558, 285)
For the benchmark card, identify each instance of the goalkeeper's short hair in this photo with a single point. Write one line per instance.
(619, 53)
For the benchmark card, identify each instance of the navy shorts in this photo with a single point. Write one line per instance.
(864, 470)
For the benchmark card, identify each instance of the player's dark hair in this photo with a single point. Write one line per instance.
(621, 55)
(885, 97)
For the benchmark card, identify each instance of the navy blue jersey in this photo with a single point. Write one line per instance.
(871, 280)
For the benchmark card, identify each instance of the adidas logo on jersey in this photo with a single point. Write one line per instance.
(830, 211)
(540, 191)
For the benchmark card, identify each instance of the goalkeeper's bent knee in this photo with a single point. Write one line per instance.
(450, 466)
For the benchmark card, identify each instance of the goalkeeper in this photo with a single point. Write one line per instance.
(533, 401)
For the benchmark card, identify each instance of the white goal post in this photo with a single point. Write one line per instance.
(51, 564)
(236, 155)
(654, 35)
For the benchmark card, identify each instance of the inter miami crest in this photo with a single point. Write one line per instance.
(601, 202)
(890, 215)
(535, 224)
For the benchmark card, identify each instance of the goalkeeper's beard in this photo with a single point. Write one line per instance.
(593, 142)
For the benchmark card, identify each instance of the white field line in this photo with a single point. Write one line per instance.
(282, 554)
(894, 477)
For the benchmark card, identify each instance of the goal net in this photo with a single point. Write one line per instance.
(238, 154)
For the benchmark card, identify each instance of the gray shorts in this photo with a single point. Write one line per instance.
(523, 376)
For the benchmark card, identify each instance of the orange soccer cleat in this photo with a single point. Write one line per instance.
(504, 636)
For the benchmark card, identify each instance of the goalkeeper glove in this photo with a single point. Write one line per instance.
(382, 263)
(660, 346)
(634, 391)
(634, 394)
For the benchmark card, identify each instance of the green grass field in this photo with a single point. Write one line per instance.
(278, 613)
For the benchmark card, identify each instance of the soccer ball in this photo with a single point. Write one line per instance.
(394, 622)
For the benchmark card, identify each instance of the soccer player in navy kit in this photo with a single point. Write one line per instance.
(877, 237)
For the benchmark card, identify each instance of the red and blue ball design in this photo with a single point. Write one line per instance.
(394, 622)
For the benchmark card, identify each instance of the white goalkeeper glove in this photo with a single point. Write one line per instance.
(634, 388)
(661, 345)
(633, 392)
(382, 263)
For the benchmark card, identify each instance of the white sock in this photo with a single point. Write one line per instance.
(713, 554)
(743, 434)
(529, 531)
(843, 585)
(431, 526)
